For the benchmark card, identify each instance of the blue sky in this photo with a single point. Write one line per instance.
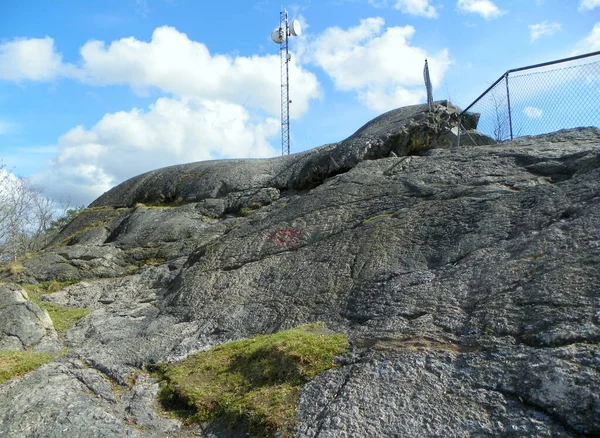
(95, 92)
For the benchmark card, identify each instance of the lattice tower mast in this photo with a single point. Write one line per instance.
(281, 36)
(285, 57)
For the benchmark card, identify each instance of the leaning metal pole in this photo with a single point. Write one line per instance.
(285, 84)
(428, 86)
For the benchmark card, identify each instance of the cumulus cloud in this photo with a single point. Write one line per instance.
(171, 63)
(218, 106)
(417, 7)
(174, 64)
(34, 59)
(379, 65)
(543, 29)
(486, 8)
(171, 131)
(588, 5)
(533, 112)
(590, 43)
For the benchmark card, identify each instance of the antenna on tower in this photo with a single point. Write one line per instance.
(280, 35)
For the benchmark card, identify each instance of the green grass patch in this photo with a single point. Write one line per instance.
(17, 363)
(254, 382)
(62, 317)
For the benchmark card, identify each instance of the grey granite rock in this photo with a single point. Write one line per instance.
(23, 324)
(465, 277)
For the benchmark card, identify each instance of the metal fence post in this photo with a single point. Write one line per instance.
(508, 103)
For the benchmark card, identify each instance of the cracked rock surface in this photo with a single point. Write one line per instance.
(466, 278)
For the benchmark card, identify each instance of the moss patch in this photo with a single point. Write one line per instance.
(17, 363)
(62, 317)
(254, 382)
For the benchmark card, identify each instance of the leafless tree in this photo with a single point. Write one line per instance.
(25, 215)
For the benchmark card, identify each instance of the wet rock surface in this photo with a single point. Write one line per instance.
(466, 279)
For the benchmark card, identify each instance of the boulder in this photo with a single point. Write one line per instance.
(23, 324)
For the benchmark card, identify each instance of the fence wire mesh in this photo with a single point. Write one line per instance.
(541, 99)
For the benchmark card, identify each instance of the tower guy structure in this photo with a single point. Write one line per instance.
(280, 35)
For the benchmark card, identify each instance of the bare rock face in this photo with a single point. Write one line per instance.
(465, 277)
(23, 324)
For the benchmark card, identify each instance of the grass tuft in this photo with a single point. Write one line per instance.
(254, 382)
(62, 317)
(17, 363)
(12, 268)
(378, 217)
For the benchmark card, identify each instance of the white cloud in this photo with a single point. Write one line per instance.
(170, 62)
(533, 112)
(32, 59)
(588, 5)
(379, 64)
(416, 7)
(543, 29)
(216, 108)
(486, 8)
(171, 131)
(590, 43)
(382, 100)
(174, 64)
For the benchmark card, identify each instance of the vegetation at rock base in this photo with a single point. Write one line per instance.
(17, 363)
(62, 317)
(253, 381)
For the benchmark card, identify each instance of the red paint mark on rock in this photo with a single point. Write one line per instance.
(286, 237)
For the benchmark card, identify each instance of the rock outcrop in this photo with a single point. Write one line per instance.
(465, 277)
(23, 324)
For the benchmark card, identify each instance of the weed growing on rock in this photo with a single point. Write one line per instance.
(254, 381)
(375, 218)
(14, 268)
(17, 363)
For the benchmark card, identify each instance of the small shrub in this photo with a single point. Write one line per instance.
(14, 268)
(254, 381)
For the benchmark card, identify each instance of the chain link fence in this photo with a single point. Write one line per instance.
(541, 98)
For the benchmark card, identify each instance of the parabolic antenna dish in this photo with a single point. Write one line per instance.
(295, 28)
(277, 35)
